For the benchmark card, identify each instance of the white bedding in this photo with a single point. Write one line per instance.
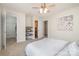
(45, 47)
(64, 52)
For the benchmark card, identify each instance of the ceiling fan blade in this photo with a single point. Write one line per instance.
(35, 7)
(51, 5)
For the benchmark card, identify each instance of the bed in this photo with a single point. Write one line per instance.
(47, 47)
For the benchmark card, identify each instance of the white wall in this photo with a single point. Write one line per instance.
(52, 25)
(28, 20)
(21, 27)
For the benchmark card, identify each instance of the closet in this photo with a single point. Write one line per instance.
(36, 28)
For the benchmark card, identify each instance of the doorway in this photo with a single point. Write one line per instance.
(45, 28)
(11, 30)
(36, 28)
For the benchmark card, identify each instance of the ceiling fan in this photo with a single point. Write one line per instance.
(44, 8)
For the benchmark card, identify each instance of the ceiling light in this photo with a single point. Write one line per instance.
(41, 10)
(45, 10)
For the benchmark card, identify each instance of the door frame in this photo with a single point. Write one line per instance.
(12, 15)
(3, 29)
(7, 15)
(0, 31)
(4, 14)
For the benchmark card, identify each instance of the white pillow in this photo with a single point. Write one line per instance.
(73, 49)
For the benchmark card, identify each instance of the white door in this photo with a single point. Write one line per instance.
(40, 27)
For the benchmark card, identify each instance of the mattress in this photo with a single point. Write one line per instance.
(45, 47)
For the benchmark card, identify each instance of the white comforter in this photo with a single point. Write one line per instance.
(45, 47)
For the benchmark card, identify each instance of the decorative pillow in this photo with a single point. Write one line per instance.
(73, 49)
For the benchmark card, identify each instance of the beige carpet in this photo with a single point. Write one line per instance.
(16, 49)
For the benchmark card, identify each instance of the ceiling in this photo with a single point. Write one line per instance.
(27, 7)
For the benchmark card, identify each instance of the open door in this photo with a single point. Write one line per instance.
(45, 28)
(7, 25)
(39, 24)
(36, 28)
(11, 27)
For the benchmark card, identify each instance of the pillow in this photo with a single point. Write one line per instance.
(73, 49)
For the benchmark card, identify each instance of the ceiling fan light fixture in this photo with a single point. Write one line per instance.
(41, 10)
(45, 10)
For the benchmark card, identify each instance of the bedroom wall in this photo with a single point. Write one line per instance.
(65, 35)
(21, 27)
(28, 20)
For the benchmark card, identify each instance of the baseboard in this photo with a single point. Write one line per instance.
(21, 41)
(39, 38)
